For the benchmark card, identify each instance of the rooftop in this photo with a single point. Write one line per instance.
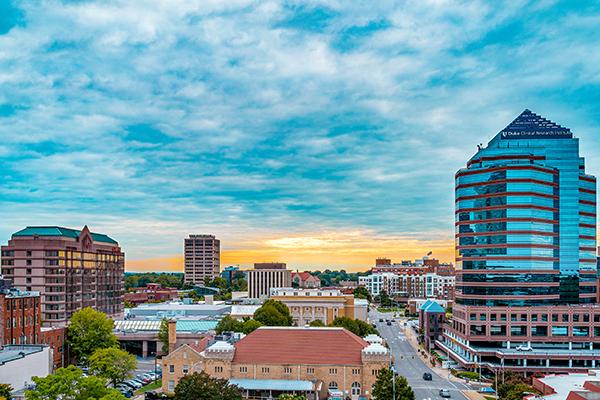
(564, 384)
(273, 384)
(10, 353)
(61, 231)
(182, 326)
(294, 345)
(529, 125)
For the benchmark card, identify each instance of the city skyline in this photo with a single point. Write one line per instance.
(190, 118)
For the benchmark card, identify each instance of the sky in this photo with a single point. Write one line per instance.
(319, 133)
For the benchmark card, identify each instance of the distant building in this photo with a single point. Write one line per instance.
(410, 282)
(152, 292)
(178, 309)
(266, 276)
(55, 338)
(232, 272)
(71, 269)
(20, 316)
(577, 386)
(305, 280)
(202, 255)
(19, 363)
(325, 305)
(274, 360)
(432, 317)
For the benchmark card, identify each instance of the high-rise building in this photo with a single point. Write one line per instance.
(526, 286)
(71, 269)
(266, 276)
(202, 258)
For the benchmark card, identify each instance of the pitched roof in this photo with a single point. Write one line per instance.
(201, 345)
(61, 231)
(304, 276)
(293, 345)
(432, 307)
(529, 125)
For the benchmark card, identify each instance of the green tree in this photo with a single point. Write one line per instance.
(89, 330)
(384, 299)
(356, 326)
(291, 397)
(5, 391)
(228, 324)
(70, 384)
(316, 323)
(273, 313)
(113, 364)
(163, 335)
(383, 388)
(361, 292)
(250, 325)
(200, 386)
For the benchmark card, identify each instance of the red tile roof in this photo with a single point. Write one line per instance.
(291, 345)
(201, 345)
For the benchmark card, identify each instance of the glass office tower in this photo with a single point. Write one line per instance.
(526, 248)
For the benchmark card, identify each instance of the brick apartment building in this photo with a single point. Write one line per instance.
(303, 360)
(71, 269)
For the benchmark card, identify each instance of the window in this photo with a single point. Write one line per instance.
(28, 262)
(220, 369)
(28, 271)
(28, 253)
(534, 317)
(544, 317)
(355, 371)
(565, 318)
(581, 331)
(287, 370)
(575, 317)
(513, 317)
(554, 317)
(171, 386)
(355, 389)
(333, 385)
(244, 369)
(186, 369)
(172, 368)
(265, 370)
(518, 330)
(332, 371)
(523, 317)
(560, 331)
(310, 370)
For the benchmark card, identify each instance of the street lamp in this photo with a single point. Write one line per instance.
(393, 382)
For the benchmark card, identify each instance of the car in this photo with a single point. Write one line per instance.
(380, 319)
(136, 384)
(444, 393)
(389, 323)
(427, 376)
(524, 347)
(125, 385)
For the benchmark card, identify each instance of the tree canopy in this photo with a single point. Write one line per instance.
(356, 326)
(200, 386)
(5, 391)
(89, 330)
(70, 384)
(113, 364)
(383, 388)
(230, 324)
(361, 292)
(273, 313)
(163, 335)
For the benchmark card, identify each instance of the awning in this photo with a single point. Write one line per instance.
(273, 384)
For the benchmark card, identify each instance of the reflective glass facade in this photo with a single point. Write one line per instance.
(526, 219)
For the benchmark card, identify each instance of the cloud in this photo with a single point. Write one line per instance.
(279, 119)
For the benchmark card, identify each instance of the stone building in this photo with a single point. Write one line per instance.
(275, 360)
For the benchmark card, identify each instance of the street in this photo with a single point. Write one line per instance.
(408, 363)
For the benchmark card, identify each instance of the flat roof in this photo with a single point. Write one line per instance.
(15, 352)
(563, 384)
(273, 384)
(151, 326)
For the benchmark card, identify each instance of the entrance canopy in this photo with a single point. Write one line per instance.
(273, 384)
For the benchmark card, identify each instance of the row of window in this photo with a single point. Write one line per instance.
(265, 370)
(535, 317)
(521, 330)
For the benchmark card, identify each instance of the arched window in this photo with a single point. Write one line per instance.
(356, 388)
(333, 385)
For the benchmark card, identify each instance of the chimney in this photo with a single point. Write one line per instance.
(172, 334)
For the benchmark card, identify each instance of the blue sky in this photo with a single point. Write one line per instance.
(323, 133)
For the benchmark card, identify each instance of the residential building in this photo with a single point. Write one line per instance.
(407, 283)
(20, 316)
(275, 360)
(55, 338)
(202, 255)
(266, 276)
(71, 269)
(576, 386)
(19, 363)
(305, 280)
(527, 284)
(152, 292)
(325, 305)
(432, 317)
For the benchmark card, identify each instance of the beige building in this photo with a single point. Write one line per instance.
(202, 255)
(275, 360)
(266, 276)
(307, 305)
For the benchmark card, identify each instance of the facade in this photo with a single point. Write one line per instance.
(410, 282)
(202, 255)
(432, 317)
(55, 338)
(70, 269)
(18, 363)
(266, 276)
(325, 305)
(20, 316)
(275, 360)
(152, 292)
(305, 280)
(526, 254)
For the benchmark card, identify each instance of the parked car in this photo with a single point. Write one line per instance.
(427, 376)
(129, 385)
(389, 323)
(380, 319)
(444, 393)
(524, 347)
